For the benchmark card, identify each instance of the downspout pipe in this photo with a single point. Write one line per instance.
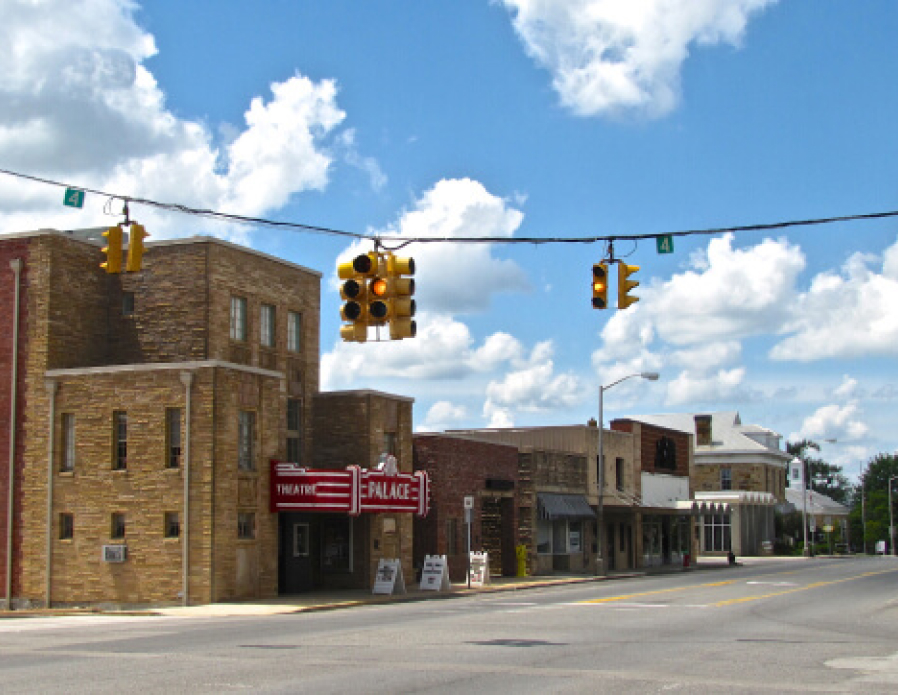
(187, 380)
(52, 387)
(16, 265)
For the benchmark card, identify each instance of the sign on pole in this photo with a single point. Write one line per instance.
(73, 198)
(665, 243)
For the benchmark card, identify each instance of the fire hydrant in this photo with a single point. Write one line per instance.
(521, 553)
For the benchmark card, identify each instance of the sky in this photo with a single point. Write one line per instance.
(511, 119)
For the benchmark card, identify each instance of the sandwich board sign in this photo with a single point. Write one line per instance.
(388, 579)
(480, 569)
(435, 575)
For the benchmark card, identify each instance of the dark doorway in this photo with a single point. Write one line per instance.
(299, 552)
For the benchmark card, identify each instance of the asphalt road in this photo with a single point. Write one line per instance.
(792, 626)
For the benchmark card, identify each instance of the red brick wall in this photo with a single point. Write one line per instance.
(458, 468)
(648, 441)
(9, 250)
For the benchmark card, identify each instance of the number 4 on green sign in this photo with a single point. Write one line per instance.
(73, 198)
(665, 243)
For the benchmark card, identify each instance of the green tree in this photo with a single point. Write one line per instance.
(871, 500)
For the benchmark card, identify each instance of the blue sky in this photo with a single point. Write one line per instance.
(513, 118)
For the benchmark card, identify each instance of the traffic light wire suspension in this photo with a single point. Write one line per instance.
(405, 241)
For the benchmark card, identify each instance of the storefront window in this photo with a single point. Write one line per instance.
(575, 536)
(543, 537)
(717, 532)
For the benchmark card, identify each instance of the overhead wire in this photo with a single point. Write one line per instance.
(405, 240)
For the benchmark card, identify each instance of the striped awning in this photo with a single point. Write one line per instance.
(553, 505)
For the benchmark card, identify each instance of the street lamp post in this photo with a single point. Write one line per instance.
(804, 503)
(891, 519)
(600, 541)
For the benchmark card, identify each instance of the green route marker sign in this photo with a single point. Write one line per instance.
(73, 198)
(665, 243)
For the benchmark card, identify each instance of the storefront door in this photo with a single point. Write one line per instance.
(300, 552)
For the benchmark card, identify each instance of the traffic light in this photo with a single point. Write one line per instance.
(135, 247)
(354, 292)
(113, 250)
(378, 294)
(624, 285)
(600, 286)
(400, 290)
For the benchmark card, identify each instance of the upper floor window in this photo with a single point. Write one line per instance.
(238, 318)
(390, 443)
(246, 525)
(726, 479)
(619, 473)
(66, 526)
(266, 322)
(172, 437)
(68, 443)
(246, 432)
(127, 303)
(294, 331)
(117, 529)
(294, 430)
(172, 525)
(119, 440)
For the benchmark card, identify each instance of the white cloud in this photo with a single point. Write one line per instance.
(720, 386)
(849, 314)
(443, 415)
(533, 386)
(607, 56)
(847, 389)
(81, 106)
(839, 422)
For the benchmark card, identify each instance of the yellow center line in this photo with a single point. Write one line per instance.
(815, 585)
(625, 597)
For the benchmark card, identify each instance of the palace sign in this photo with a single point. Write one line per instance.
(351, 491)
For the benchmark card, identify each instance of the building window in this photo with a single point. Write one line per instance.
(173, 437)
(389, 443)
(68, 443)
(451, 536)
(66, 526)
(717, 532)
(238, 319)
(127, 304)
(266, 322)
(246, 430)
(246, 525)
(619, 473)
(575, 536)
(726, 478)
(117, 528)
(543, 536)
(294, 430)
(172, 523)
(120, 440)
(294, 331)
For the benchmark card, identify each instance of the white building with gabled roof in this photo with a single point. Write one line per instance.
(739, 467)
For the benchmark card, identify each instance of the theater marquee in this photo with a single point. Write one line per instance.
(353, 491)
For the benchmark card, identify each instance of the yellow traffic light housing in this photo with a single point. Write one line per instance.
(113, 250)
(135, 247)
(401, 305)
(624, 285)
(354, 292)
(600, 286)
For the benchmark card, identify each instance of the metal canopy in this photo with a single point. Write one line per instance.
(557, 506)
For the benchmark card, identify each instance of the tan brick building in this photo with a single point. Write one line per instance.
(149, 405)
